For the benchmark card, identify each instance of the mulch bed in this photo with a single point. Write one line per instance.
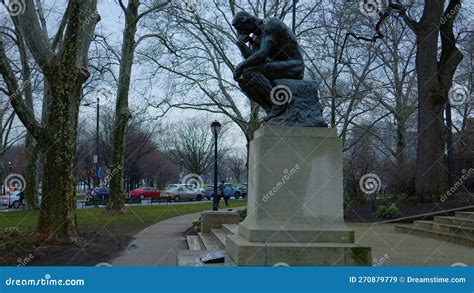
(22, 250)
(364, 212)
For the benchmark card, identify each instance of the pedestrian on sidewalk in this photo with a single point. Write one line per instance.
(222, 193)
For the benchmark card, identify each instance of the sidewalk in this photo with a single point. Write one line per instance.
(158, 244)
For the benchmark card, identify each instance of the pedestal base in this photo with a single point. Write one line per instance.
(246, 253)
(295, 202)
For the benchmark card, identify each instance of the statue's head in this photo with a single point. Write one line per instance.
(245, 23)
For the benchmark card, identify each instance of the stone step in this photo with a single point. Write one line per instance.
(452, 229)
(210, 243)
(220, 235)
(413, 230)
(429, 215)
(465, 215)
(194, 243)
(455, 221)
(231, 228)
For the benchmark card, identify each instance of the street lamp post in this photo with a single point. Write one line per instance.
(97, 143)
(96, 157)
(215, 128)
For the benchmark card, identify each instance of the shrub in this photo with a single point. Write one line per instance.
(412, 200)
(243, 214)
(387, 211)
(401, 196)
(12, 231)
(197, 224)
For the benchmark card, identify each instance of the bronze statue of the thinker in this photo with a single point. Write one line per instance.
(274, 58)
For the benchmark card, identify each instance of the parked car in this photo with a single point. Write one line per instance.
(230, 190)
(243, 188)
(191, 186)
(98, 193)
(178, 193)
(12, 199)
(144, 192)
(208, 192)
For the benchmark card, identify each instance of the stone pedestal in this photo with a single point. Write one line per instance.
(295, 202)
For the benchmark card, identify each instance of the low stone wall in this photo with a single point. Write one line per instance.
(215, 219)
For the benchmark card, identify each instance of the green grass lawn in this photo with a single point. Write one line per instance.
(94, 219)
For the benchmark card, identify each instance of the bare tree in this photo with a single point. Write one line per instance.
(64, 65)
(235, 162)
(122, 113)
(200, 58)
(192, 145)
(435, 79)
(8, 134)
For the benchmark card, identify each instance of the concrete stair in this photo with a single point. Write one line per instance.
(210, 242)
(205, 243)
(458, 229)
(194, 242)
(231, 228)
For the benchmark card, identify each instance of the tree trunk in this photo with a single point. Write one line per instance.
(31, 172)
(449, 146)
(401, 142)
(57, 218)
(65, 72)
(434, 81)
(430, 174)
(30, 142)
(2, 173)
(430, 171)
(122, 113)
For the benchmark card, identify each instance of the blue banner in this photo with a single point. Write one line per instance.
(237, 279)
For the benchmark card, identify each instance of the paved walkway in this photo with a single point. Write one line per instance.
(158, 245)
(390, 248)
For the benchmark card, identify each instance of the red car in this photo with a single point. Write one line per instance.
(144, 192)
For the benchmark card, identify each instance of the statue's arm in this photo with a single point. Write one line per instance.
(258, 57)
(242, 45)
